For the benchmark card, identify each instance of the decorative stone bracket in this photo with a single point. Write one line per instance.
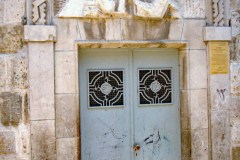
(217, 34)
(39, 33)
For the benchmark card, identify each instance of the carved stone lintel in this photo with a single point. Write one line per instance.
(39, 12)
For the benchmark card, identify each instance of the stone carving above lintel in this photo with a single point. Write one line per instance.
(115, 8)
(220, 12)
(39, 12)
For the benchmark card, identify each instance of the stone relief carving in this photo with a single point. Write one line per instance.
(218, 12)
(39, 12)
(106, 8)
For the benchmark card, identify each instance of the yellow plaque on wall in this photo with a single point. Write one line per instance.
(219, 63)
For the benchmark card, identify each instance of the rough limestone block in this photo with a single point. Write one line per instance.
(235, 23)
(10, 108)
(221, 135)
(7, 143)
(235, 132)
(20, 72)
(193, 8)
(186, 144)
(156, 29)
(184, 69)
(3, 71)
(199, 109)
(25, 147)
(235, 153)
(68, 149)
(193, 33)
(13, 10)
(43, 140)
(66, 72)
(235, 4)
(41, 81)
(185, 110)
(198, 69)
(175, 30)
(235, 80)
(67, 115)
(235, 111)
(10, 38)
(39, 33)
(220, 91)
(216, 33)
(199, 144)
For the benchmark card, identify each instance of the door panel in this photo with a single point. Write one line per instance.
(156, 125)
(123, 116)
(105, 133)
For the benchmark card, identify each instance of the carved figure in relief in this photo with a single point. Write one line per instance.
(104, 8)
(39, 12)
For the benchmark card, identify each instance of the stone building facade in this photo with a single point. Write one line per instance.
(40, 43)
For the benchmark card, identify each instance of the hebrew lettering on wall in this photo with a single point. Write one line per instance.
(39, 12)
(106, 8)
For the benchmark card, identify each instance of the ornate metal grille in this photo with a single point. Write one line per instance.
(155, 86)
(105, 88)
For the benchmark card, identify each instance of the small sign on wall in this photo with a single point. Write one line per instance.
(219, 63)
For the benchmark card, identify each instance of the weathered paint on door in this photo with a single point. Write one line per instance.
(129, 102)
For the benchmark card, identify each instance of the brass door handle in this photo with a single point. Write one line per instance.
(136, 148)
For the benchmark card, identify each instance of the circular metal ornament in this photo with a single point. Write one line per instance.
(155, 86)
(106, 88)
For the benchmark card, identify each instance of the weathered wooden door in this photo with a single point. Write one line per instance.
(129, 102)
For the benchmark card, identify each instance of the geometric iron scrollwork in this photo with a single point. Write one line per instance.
(105, 88)
(155, 86)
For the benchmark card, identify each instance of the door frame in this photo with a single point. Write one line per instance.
(183, 52)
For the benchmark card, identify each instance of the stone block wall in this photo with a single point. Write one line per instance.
(14, 119)
(235, 79)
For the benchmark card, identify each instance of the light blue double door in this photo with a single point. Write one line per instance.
(129, 104)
